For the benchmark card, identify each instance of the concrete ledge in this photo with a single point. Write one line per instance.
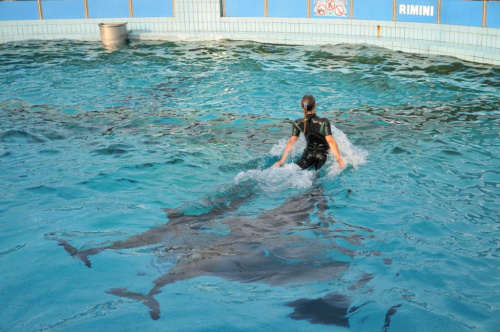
(473, 44)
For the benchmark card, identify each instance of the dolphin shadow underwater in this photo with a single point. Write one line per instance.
(295, 243)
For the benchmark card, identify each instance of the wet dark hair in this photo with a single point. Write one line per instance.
(308, 102)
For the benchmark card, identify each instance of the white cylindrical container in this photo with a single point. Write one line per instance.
(113, 34)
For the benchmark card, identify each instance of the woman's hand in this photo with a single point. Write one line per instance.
(341, 163)
(288, 147)
(334, 148)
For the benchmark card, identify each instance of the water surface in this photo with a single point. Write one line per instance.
(99, 146)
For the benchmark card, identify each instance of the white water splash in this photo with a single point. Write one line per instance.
(291, 176)
(277, 149)
(352, 155)
(273, 179)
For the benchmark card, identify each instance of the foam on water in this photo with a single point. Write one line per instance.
(291, 176)
(353, 156)
(273, 179)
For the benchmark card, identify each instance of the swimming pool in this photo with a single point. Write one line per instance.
(99, 147)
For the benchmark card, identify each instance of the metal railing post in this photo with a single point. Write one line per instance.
(131, 8)
(40, 9)
(438, 15)
(394, 9)
(86, 8)
(485, 12)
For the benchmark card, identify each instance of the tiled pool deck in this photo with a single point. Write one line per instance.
(200, 20)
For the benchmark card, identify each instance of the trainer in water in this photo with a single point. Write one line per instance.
(318, 134)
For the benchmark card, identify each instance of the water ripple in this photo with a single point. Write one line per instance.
(195, 126)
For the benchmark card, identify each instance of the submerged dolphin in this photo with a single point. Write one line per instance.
(290, 244)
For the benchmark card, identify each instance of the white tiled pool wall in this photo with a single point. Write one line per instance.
(200, 20)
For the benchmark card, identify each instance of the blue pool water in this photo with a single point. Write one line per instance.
(175, 141)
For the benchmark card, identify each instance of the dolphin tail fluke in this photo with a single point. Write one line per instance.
(83, 256)
(146, 299)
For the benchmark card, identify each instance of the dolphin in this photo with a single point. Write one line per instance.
(295, 243)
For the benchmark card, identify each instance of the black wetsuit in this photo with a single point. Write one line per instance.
(316, 152)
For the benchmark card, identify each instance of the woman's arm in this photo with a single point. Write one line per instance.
(335, 150)
(288, 147)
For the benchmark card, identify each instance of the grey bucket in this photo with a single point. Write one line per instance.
(113, 34)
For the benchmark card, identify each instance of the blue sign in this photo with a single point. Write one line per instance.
(244, 8)
(424, 11)
(330, 8)
(108, 8)
(287, 8)
(493, 17)
(373, 10)
(63, 9)
(462, 12)
(18, 10)
(153, 8)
